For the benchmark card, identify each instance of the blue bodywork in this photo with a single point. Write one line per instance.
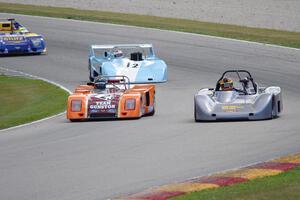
(137, 61)
(21, 41)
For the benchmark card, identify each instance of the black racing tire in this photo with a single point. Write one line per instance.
(273, 108)
(195, 111)
(75, 120)
(90, 72)
(152, 112)
(91, 78)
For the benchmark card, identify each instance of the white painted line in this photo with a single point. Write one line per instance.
(145, 28)
(36, 77)
(39, 78)
(31, 123)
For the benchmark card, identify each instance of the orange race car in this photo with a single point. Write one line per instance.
(111, 97)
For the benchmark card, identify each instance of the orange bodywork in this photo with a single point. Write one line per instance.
(143, 97)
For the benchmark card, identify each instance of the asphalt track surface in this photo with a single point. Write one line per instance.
(56, 159)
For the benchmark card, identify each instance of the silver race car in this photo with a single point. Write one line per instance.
(237, 97)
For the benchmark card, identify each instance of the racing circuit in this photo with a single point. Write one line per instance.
(56, 159)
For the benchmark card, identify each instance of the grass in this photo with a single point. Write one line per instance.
(283, 186)
(284, 38)
(24, 100)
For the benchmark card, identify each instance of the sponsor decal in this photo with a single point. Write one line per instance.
(13, 38)
(132, 65)
(103, 105)
(93, 111)
(232, 108)
(111, 110)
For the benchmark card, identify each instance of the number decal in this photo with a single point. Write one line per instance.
(133, 65)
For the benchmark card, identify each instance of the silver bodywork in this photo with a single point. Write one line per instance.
(257, 104)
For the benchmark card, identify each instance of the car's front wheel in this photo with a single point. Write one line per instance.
(90, 75)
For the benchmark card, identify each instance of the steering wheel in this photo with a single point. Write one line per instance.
(241, 91)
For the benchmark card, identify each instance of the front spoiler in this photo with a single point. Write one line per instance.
(6, 51)
(226, 116)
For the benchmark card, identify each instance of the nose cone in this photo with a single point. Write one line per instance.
(226, 96)
(152, 72)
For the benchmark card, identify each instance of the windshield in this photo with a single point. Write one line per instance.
(242, 82)
(129, 52)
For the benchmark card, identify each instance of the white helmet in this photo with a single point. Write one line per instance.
(118, 53)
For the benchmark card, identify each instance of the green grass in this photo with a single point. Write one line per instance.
(285, 186)
(25, 100)
(284, 38)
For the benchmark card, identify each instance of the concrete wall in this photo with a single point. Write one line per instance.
(275, 14)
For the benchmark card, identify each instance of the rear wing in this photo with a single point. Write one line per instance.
(111, 46)
(6, 25)
(106, 51)
(10, 25)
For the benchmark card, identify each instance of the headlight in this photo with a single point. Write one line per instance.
(130, 104)
(36, 42)
(76, 105)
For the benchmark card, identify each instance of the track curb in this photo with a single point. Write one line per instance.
(259, 170)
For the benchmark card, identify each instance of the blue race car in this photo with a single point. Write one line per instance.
(16, 39)
(136, 61)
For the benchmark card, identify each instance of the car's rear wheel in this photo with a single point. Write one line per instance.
(91, 79)
(90, 75)
(273, 115)
(152, 112)
(75, 120)
(195, 114)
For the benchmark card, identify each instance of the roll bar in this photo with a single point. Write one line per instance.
(237, 72)
(113, 79)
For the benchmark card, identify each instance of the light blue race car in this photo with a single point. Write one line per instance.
(136, 61)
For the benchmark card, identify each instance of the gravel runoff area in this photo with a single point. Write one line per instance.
(274, 14)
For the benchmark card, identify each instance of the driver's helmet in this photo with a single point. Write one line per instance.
(226, 84)
(16, 25)
(100, 84)
(118, 53)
